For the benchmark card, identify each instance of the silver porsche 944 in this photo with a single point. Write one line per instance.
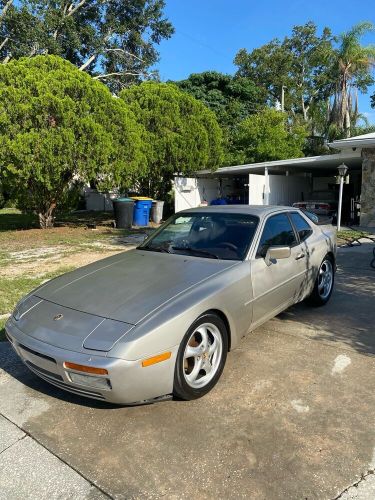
(159, 320)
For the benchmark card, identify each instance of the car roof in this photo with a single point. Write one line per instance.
(258, 210)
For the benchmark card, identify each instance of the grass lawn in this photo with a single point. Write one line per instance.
(13, 289)
(29, 255)
(347, 235)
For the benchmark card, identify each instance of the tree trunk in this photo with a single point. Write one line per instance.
(46, 216)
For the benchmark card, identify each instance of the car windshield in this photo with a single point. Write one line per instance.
(208, 235)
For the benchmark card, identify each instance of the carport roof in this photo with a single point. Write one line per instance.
(359, 141)
(328, 163)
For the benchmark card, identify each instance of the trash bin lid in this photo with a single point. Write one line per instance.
(141, 198)
(124, 200)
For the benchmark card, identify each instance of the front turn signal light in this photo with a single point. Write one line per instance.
(156, 359)
(86, 369)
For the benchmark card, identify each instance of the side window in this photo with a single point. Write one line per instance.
(277, 231)
(302, 227)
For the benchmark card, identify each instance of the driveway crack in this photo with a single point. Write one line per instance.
(15, 442)
(27, 434)
(356, 483)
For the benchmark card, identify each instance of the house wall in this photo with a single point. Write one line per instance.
(368, 188)
(191, 192)
(283, 190)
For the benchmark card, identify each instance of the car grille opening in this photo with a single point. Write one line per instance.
(38, 354)
(58, 381)
(42, 371)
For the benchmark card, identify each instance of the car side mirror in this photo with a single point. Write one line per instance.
(275, 253)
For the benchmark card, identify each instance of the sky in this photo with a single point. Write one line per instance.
(209, 33)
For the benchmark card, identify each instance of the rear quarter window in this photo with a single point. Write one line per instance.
(302, 227)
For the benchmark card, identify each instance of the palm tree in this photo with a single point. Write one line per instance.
(352, 70)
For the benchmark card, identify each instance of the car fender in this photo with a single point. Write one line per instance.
(230, 293)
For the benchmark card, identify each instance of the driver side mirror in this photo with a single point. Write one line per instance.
(275, 253)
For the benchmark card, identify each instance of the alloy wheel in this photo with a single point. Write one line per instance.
(202, 355)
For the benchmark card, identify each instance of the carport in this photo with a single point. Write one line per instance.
(284, 182)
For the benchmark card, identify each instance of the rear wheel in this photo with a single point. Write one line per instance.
(324, 283)
(201, 357)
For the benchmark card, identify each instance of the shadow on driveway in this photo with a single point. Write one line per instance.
(347, 319)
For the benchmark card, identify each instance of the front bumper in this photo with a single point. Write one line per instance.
(129, 382)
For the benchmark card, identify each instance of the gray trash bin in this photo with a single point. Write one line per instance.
(123, 209)
(157, 211)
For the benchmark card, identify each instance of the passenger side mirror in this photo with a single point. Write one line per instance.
(275, 253)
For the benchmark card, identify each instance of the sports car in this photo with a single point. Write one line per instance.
(159, 320)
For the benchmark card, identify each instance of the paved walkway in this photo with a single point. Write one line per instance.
(293, 417)
(29, 470)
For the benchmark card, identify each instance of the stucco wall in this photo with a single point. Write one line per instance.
(368, 188)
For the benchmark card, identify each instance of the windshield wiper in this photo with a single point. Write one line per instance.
(155, 249)
(196, 251)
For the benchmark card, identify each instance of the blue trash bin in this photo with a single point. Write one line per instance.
(141, 215)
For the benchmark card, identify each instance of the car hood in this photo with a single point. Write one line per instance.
(129, 286)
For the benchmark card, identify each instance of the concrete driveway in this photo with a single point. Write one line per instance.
(293, 417)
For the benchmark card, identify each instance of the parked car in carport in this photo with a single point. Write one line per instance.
(320, 203)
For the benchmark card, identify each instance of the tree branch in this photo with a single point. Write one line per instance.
(122, 73)
(92, 58)
(4, 42)
(68, 11)
(72, 9)
(5, 8)
(88, 62)
(125, 52)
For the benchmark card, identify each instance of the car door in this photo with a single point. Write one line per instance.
(276, 285)
(308, 245)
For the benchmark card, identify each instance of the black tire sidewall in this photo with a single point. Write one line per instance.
(181, 388)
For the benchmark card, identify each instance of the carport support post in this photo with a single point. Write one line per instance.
(266, 187)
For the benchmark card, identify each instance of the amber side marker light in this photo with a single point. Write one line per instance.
(156, 359)
(86, 369)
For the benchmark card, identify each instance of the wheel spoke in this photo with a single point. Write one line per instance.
(204, 334)
(207, 367)
(192, 376)
(191, 352)
(213, 347)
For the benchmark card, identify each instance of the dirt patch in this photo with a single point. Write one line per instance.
(40, 267)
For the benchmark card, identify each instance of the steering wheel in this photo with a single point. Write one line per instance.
(227, 244)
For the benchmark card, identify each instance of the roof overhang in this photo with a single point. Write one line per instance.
(324, 165)
(360, 141)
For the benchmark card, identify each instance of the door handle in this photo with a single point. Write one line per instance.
(300, 256)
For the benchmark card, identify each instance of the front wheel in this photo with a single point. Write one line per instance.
(201, 357)
(324, 283)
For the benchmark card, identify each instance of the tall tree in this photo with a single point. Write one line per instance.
(298, 63)
(268, 136)
(58, 125)
(352, 70)
(114, 41)
(182, 134)
(232, 99)
(227, 96)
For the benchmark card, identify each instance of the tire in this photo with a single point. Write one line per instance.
(197, 355)
(324, 282)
